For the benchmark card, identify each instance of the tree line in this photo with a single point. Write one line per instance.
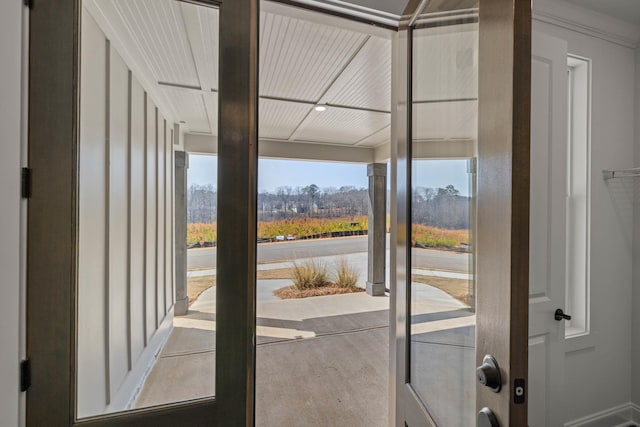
(438, 207)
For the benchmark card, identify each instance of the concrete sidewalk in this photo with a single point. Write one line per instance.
(320, 361)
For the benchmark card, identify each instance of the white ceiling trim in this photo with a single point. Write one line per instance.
(587, 22)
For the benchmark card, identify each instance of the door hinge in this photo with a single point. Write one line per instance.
(26, 183)
(25, 375)
(28, 3)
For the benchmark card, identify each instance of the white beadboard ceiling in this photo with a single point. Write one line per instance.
(305, 59)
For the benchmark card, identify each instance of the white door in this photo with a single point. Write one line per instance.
(547, 228)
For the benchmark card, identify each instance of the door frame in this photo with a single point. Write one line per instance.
(502, 207)
(54, 78)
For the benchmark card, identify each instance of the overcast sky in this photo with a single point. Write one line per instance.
(279, 173)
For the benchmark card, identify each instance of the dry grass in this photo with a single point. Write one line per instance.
(310, 274)
(197, 285)
(345, 275)
(457, 288)
(290, 292)
(434, 237)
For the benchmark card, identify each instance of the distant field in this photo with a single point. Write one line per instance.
(323, 227)
(298, 227)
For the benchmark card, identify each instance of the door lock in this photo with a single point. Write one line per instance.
(489, 374)
(486, 418)
(559, 315)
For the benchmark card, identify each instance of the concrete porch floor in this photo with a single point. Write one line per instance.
(321, 361)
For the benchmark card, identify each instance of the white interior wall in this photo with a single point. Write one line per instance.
(597, 367)
(10, 243)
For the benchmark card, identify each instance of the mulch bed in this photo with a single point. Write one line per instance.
(290, 292)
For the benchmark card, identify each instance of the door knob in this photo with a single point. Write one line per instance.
(486, 418)
(559, 315)
(489, 374)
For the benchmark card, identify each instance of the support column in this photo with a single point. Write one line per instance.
(376, 259)
(182, 299)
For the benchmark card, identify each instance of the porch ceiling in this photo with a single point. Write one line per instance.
(306, 59)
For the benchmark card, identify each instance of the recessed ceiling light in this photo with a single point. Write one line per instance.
(320, 108)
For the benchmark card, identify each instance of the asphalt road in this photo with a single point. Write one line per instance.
(286, 251)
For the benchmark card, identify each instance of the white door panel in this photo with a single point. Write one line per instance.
(547, 228)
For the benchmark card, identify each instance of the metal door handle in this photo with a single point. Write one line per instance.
(486, 418)
(559, 315)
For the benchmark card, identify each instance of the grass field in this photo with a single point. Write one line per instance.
(297, 227)
(432, 237)
(438, 237)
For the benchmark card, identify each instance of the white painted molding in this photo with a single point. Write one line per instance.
(587, 22)
(618, 416)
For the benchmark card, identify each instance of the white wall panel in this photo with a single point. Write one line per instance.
(92, 268)
(137, 206)
(161, 215)
(151, 268)
(118, 218)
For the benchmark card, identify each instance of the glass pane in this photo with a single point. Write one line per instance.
(145, 331)
(322, 311)
(442, 327)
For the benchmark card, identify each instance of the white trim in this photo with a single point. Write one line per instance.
(587, 22)
(626, 413)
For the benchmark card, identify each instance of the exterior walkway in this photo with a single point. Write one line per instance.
(320, 361)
